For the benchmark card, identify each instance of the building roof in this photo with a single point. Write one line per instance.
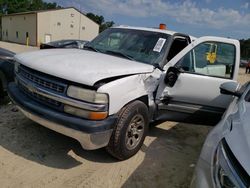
(49, 10)
(38, 11)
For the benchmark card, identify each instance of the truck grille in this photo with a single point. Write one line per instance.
(41, 80)
(38, 78)
(50, 91)
(38, 97)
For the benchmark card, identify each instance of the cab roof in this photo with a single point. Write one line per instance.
(169, 32)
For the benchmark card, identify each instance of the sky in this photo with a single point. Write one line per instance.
(226, 18)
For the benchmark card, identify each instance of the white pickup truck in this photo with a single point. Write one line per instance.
(107, 94)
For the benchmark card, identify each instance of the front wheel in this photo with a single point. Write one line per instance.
(130, 131)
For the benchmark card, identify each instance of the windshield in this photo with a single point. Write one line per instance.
(143, 46)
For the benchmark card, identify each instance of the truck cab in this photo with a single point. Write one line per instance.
(107, 94)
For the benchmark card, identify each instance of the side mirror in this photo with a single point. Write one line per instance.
(171, 76)
(230, 88)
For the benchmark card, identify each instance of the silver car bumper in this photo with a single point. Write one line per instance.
(202, 176)
(88, 141)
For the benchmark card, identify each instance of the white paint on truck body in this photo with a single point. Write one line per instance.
(125, 90)
(81, 66)
(87, 68)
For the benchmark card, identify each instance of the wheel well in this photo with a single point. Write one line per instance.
(3, 81)
(143, 99)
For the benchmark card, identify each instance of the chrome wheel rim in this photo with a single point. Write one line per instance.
(134, 132)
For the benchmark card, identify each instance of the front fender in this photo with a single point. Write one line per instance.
(124, 90)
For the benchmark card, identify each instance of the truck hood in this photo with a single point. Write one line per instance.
(239, 138)
(81, 66)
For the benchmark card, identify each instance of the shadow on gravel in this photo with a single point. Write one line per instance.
(44, 146)
(170, 158)
(4, 100)
(171, 152)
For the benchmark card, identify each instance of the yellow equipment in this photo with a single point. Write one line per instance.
(211, 55)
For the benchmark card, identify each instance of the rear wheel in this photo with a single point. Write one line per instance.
(130, 131)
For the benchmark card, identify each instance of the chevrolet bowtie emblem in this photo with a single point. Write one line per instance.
(31, 88)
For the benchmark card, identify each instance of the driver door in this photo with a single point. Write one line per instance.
(189, 89)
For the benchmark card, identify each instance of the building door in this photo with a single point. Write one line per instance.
(47, 38)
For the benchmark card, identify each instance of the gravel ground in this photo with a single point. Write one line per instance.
(33, 156)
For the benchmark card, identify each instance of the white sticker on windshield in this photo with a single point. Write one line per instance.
(160, 43)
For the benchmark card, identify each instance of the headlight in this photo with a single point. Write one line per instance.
(225, 175)
(90, 96)
(87, 95)
(224, 179)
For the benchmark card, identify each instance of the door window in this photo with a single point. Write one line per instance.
(177, 45)
(211, 59)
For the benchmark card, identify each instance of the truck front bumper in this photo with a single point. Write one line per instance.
(91, 134)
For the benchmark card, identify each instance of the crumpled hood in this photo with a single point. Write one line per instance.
(81, 66)
(239, 138)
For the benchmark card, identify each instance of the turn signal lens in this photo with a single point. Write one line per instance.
(98, 115)
(85, 113)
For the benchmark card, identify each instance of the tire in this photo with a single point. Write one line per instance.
(1, 93)
(1, 90)
(130, 131)
(3, 83)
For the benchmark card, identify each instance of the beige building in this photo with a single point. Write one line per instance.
(39, 27)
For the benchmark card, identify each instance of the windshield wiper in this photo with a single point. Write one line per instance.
(120, 54)
(91, 48)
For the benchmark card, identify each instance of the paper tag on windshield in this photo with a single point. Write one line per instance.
(160, 43)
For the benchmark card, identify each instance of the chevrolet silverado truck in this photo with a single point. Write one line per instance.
(127, 77)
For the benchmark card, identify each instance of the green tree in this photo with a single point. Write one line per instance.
(15, 6)
(100, 20)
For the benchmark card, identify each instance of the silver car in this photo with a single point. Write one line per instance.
(225, 157)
